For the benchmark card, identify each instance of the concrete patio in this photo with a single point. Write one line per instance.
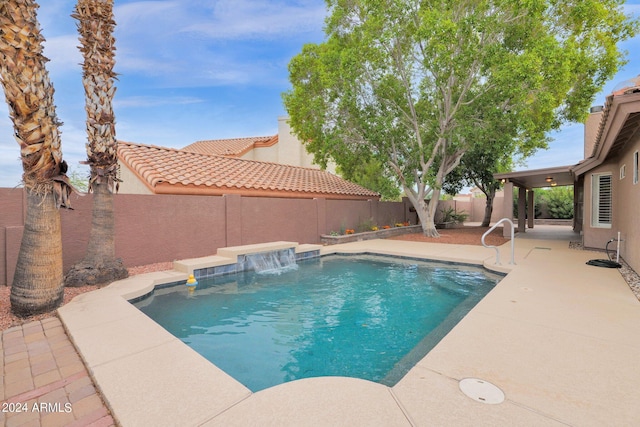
(558, 337)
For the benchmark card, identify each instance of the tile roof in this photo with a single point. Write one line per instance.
(171, 171)
(234, 147)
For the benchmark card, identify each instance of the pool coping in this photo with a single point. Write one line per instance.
(130, 356)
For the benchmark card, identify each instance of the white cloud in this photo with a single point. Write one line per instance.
(154, 101)
(189, 43)
(632, 9)
(245, 19)
(565, 148)
(224, 19)
(63, 54)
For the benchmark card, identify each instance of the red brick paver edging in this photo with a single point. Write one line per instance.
(44, 382)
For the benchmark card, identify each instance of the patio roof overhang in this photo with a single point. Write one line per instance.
(539, 178)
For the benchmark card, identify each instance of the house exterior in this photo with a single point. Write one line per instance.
(607, 184)
(283, 148)
(148, 169)
(606, 187)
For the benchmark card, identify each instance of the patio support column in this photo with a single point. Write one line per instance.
(522, 209)
(507, 207)
(531, 213)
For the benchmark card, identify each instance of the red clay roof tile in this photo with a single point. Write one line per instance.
(234, 147)
(193, 173)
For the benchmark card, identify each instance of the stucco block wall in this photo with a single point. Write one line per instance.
(267, 219)
(347, 214)
(390, 212)
(12, 214)
(168, 227)
(160, 228)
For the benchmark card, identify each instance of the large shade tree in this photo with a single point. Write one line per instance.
(411, 83)
(38, 281)
(95, 27)
(476, 169)
(498, 145)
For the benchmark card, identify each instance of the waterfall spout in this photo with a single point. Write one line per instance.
(274, 262)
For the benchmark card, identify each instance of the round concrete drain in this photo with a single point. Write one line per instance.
(481, 391)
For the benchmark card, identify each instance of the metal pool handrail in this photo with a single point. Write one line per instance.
(495, 247)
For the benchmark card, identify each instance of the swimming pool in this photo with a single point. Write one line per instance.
(367, 317)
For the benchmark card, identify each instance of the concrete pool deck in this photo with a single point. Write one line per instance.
(558, 337)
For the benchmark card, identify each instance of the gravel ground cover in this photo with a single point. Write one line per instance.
(7, 319)
(459, 236)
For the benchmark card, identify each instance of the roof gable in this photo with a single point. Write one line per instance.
(235, 147)
(171, 171)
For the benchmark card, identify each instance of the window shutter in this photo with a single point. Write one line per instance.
(604, 200)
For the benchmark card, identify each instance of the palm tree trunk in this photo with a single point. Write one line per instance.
(38, 282)
(37, 285)
(100, 265)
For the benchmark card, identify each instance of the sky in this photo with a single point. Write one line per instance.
(191, 70)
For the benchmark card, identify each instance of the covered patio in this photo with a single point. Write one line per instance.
(527, 181)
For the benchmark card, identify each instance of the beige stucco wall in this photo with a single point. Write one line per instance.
(131, 184)
(626, 208)
(263, 154)
(290, 149)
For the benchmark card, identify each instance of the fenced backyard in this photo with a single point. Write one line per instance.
(160, 228)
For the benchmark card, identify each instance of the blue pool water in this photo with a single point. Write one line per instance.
(367, 317)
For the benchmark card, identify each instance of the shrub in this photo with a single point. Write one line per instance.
(559, 202)
(449, 214)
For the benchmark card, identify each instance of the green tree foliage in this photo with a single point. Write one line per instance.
(559, 202)
(414, 85)
(370, 174)
(79, 180)
(476, 169)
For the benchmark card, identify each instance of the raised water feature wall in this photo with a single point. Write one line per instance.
(267, 261)
(242, 258)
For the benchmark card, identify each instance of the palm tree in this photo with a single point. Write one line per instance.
(95, 26)
(38, 281)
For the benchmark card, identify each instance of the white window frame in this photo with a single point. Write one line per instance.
(601, 184)
(623, 171)
(635, 167)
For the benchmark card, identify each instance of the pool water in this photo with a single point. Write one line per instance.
(366, 317)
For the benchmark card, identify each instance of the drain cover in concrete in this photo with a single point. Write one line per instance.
(481, 391)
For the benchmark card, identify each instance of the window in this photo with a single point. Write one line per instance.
(623, 171)
(635, 167)
(601, 199)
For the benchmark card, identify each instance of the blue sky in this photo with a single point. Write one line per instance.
(192, 70)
